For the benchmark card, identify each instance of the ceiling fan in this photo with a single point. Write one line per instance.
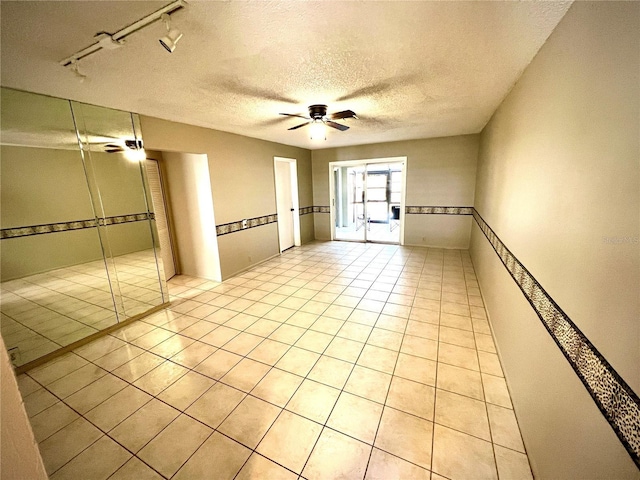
(318, 116)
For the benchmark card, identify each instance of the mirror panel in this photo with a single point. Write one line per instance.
(110, 142)
(54, 285)
(79, 247)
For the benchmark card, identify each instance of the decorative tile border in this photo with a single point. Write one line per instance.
(616, 400)
(439, 210)
(306, 210)
(47, 228)
(232, 227)
(31, 230)
(614, 397)
(136, 217)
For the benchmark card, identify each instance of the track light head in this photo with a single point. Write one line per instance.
(170, 40)
(75, 68)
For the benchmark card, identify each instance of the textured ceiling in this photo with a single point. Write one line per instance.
(408, 69)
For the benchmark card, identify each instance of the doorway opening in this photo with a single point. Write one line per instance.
(287, 207)
(189, 231)
(367, 200)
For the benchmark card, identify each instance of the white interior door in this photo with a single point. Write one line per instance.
(284, 204)
(162, 224)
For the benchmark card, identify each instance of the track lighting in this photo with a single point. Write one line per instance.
(106, 41)
(172, 37)
(75, 68)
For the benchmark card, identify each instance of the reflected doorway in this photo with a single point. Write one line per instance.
(156, 192)
(367, 200)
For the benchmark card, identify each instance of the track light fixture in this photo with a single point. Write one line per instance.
(75, 68)
(172, 37)
(107, 41)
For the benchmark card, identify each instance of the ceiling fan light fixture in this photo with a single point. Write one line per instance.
(318, 121)
(318, 130)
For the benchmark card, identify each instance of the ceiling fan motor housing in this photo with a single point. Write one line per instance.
(317, 112)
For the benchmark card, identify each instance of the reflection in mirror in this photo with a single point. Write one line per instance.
(114, 161)
(54, 285)
(79, 248)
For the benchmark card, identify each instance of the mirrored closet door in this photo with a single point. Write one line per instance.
(78, 242)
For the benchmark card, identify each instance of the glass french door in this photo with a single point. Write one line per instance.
(367, 202)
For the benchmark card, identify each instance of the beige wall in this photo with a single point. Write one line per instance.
(19, 455)
(119, 182)
(440, 172)
(34, 254)
(42, 185)
(242, 182)
(558, 177)
(305, 197)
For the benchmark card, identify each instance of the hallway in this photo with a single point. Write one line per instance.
(334, 360)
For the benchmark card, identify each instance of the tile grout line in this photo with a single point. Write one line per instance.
(435, 393)
(389, 389)
(308, 329)
(484, 396)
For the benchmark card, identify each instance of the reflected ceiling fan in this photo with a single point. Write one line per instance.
(318, 118)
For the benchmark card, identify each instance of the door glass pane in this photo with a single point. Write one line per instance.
(349, 203)
(383, 202)
(378, 212)
(377, 194)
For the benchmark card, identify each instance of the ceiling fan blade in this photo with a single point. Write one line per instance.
(294, 115)
(338, 126)
(298, 126)
(343, 114)
(113, 148)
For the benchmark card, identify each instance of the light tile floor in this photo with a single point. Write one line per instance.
(376, 232)
(334, 360)
(44, 312)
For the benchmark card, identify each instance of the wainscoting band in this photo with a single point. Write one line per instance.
(614, 397)
(305, 210)
(28, 231)
(438, 210)
(236, 226)
(616, 400)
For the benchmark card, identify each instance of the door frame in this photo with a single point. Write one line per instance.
(293, 167)
(365, 162)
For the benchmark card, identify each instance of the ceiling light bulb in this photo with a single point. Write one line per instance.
(135, 155)
(318, 130)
